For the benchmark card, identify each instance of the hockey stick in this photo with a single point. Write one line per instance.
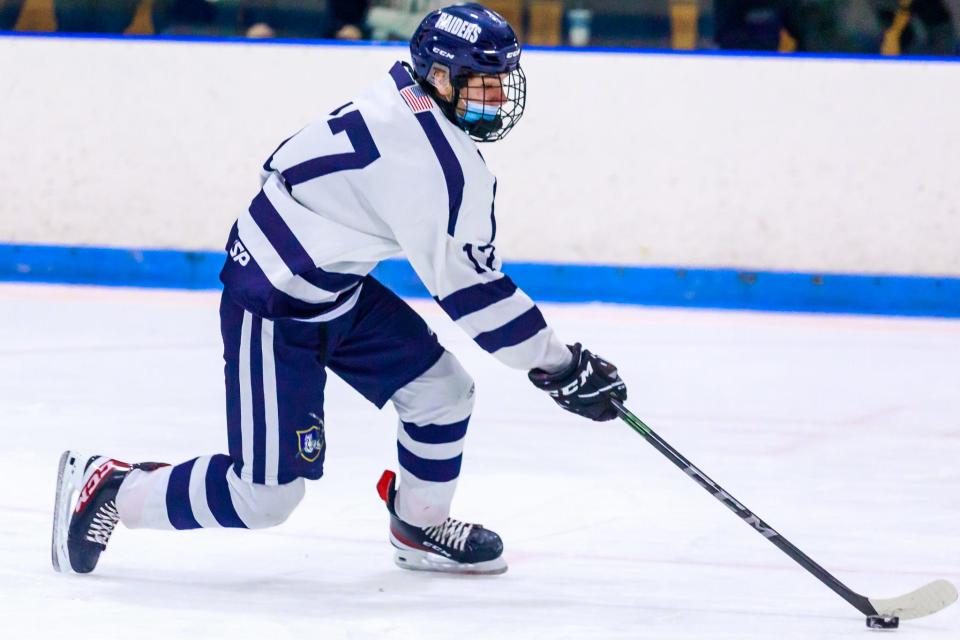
(880, 612)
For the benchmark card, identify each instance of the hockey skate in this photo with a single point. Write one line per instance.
(85, 512)
(450, 547)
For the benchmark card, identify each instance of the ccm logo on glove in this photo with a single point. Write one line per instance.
(585, 387)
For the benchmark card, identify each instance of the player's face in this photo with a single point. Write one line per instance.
(483, 89)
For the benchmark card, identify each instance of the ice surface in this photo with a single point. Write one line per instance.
(842, 432)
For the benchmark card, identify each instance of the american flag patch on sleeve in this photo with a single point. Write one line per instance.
(416, 99)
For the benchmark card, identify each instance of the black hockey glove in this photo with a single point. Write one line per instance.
(585, 387)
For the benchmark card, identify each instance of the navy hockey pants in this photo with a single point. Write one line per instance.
(275, 373)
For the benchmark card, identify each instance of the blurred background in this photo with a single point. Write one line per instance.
(887, 27)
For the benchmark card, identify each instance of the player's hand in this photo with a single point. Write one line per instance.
(585, 387)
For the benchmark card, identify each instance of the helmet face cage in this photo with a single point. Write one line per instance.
(513, 87)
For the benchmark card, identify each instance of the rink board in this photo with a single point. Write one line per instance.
(660, 286)
(769, 164)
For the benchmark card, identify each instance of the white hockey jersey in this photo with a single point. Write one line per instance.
(384, 175)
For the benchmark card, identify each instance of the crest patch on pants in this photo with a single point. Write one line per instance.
(311, 441)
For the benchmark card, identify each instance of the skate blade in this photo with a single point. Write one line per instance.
(69, 479)
(414, 560)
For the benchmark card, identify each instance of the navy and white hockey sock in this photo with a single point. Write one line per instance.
(434, 412)
(190, 495)
(203, 492)
(430, 457)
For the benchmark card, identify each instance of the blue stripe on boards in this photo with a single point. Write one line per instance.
(856, 293)
(429, 470)
(476, 297)
(452, 171)
(280, 236)
(436, 433)
(179, 510)
(226, 40)
(218, 492)
(240, 41)
(112, 267)
(259, 409)
(521, 328)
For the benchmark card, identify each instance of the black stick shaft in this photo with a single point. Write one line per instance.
(861, 603)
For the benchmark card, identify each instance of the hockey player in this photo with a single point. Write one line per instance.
(395, 171)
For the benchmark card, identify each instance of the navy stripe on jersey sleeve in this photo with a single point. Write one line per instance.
(249, 287)
(280, 236)
(292, 252)
(477, 297)
(521, 328)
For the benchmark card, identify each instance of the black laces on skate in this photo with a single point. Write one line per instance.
(452, 533)
(103, 523)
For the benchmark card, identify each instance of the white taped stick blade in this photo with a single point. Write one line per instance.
(926, 600)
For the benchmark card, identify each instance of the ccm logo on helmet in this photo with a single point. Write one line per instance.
(458, 27)
(443, 54)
